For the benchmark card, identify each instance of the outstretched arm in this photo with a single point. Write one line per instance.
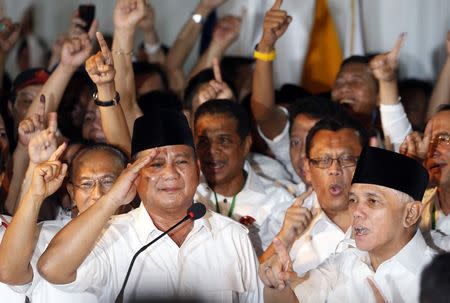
(269, 117)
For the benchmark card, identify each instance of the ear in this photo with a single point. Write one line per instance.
(307, 170)
(247, 144)
(413, 213)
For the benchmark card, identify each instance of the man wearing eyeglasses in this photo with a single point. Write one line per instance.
(332, 150)
(434, 150)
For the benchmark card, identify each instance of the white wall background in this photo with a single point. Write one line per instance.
(426, 23)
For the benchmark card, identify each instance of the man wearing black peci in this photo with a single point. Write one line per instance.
(210, 259)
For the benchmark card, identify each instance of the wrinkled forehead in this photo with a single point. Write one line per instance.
(96, 163)
(343, 140)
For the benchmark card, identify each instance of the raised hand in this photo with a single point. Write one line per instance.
(275, 25)
(30, 126)
(226, 31)
(296, 220)
(417, 146)
(124, 190)
(9, 35)
(215, 89)
(129, 13)
(147, 24)
(76, 50)
(277, 271)
(77, 25)
(100, 67)
(43, 144)
(384, 66)
(48, 176)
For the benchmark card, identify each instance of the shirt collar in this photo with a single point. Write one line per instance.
(145, 226)
(409, 254)
(253, 182)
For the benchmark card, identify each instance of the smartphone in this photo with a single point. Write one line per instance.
(87, 13)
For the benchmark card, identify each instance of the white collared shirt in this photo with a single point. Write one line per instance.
(41, 291)
(6, 293)
(318, 242)
(260, 198)
(267, 167)
(343, 277)
(216, 262)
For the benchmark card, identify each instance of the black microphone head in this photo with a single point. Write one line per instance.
(196, 211)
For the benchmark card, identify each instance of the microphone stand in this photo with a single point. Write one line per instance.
(119, 298)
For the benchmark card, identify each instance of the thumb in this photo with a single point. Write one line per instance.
(277, 4)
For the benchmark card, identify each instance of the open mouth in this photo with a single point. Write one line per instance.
(335, 189)
(215, 165)
(360, 231)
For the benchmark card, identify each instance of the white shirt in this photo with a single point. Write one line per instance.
(6, 293)
(216, 262)
(395, 123)
(260, 198)
(343, 277)
(267, 167)
(318, 242)
(280, 148)
(39, 290)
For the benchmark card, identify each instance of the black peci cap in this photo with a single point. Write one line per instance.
(393, 170)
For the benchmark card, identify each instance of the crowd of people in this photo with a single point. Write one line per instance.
(337, 197)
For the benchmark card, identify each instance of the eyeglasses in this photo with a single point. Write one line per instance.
(344, 161)
(88, 185)
(443, 139)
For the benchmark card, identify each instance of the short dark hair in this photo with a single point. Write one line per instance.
(202, 77)
(147, 68)
(335, 124)
(314, 107)
(435, 280)
(443, 108)
(113, 150)
(228, 108)
(360, 60)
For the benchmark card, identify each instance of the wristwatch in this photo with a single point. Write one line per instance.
(112, 102)
(198, 18)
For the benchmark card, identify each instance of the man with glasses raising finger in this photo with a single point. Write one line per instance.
(312, 235)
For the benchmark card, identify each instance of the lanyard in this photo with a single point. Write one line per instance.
(233, 201)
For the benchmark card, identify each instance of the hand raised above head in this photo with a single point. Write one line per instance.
(76, 50)
(276, 22)
(227, 30)
(9, 35)
(129, 13)
(44, 143)
(384, 66)
(100, 66)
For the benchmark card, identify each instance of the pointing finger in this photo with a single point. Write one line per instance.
(393, 54)
(277, 4)
(104, 48)
(52, 121)
(216, 70)
(300, 199)
(58, 152)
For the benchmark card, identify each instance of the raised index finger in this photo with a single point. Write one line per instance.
(104, 48)
(58, 152)
(277, 4)
(216, 70)
(393, 54)
(300, 199)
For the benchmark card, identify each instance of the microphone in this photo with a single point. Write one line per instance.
(196, 211)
